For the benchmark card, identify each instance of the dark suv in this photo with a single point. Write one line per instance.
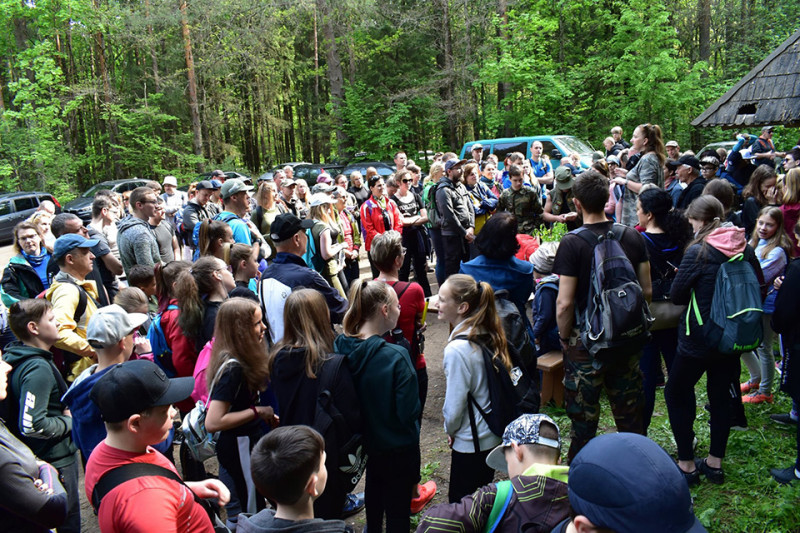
(16, 207)
(82, 205)
(309, 172)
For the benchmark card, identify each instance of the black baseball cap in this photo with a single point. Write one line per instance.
(286, 225)
(135, 386)
(687, 159)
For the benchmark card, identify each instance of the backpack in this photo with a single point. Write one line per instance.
(735, 324)
(503, 397)
(415, 348)
(524, 373)
(341, 441)
(162, 353)
(312, 257)
(430, 206)
(502, 499)
(616, 320)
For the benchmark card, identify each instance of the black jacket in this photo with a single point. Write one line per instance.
(20, 281)
(692, 191)
(784, 321)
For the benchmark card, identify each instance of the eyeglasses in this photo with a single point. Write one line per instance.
(406, 180)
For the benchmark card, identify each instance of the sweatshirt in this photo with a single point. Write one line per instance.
(386, 385)
(137, 245)
(265, 522)
(35, 388)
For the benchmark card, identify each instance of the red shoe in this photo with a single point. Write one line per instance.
(750, 386)
(426, 493)
(757, 397)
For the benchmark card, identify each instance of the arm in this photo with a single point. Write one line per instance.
(22, 498)
(457, 377)
(643, 274)
(470, 515)
(445, 203)
(36, 385)
(686, 277)
(184, 356)
(113, 264)
(10, 292)
(221, 418)
(328, 250)
(176, 249)
(565, 305)
(336, 303)
(787, 304)
(366, 221)
(397, 220)
(774, 264)
(143, 249)
(65, 301)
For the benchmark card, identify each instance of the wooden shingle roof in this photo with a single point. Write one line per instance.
(768, 95)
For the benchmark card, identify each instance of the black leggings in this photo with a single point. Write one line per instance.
(391, 477)
(686, 371)
(415, 251)
(468, 472)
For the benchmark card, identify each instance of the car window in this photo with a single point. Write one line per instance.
(501, 150)
(25, 203)
(574, 144)
(547, 149)
(5, 208)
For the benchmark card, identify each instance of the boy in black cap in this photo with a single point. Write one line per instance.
(135, 400)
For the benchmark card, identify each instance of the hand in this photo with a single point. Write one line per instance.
(142, 345)
(449, 441)
(470, 236)
(572, 215)
(67, 412)
(42, 486)
(210, 488)
(267, 414)
(778, 282)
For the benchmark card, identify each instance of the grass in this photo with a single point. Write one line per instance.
(749, 500)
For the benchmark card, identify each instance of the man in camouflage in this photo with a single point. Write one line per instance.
(523, 201)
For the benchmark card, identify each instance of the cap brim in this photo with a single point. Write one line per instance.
(673, 164)
(564, 186)
(137, 319)
(179, 389)
(90, 243)
(497, 459)
(697, 527)
(307, 223)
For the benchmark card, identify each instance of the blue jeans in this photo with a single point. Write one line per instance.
(438, 247)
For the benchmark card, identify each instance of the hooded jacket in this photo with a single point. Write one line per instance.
(20, 281)
(88, 428)
(265, 522)
(137, 245)
(454, 207)
(64, 296)
(698, 272)
(386, 385)
(24, 507)
(35, 388)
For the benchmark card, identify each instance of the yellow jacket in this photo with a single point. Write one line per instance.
(72, 336)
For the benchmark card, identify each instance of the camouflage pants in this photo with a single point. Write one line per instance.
(584, 380)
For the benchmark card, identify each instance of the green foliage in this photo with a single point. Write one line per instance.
(552, 234)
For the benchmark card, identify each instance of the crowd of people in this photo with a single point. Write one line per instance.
(248, 303)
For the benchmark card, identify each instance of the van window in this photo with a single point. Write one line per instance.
(25, 203)
(501, 150)
(547, 149)
(468, 152)
(5, 208)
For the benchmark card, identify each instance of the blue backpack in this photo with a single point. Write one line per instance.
(162, 353)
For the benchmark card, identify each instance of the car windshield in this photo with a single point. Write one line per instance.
(91, 192)
(573, 144)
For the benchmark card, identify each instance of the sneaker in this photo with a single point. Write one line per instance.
(426, 494)
(692, 478)
(757, 397)
(353, 504)
(750, 386)
(784, 475)
(713, 475)
(784, 418)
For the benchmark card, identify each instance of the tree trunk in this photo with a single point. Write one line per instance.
(194, 109)
(504, 87)
(151, 46)
(335, 76)
(704, 28)
(448, 91)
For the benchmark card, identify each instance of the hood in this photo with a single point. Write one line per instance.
(130, 222)
(15, 354)
(358, 351)
(292, 367)
(728, 239)
(20, 260)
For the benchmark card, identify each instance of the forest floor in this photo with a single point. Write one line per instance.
(749, 500)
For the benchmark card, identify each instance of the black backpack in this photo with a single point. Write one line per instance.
(504, 403)
(616, 321)
(524, 373)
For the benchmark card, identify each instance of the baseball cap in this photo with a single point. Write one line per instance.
(233, 186)
(286, 182)
(203, 185)
(476, 146)
(672, 143)
(627, 483)
(266, 176)
(218, 174)
(613, 159)
(324, 178)
(216, 184)
(564, 179)
(111, 324)
(322, 188)
(320, 198)
(134, 386)
(453, 163)
(171, 180)
(523, 430)
(286, 225)
(687, 159)
(66, 243)
(767, 129)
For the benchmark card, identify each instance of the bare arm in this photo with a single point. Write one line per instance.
(643, 273)
(565, 305)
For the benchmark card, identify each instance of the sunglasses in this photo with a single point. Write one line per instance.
(406, 180)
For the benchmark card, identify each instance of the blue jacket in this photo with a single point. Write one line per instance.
(513, 275)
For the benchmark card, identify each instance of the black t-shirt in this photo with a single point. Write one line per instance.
(209, 318)
(232, 388)
(665, 256)
(575, 255)
(409, 206)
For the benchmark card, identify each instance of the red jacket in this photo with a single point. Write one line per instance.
(184, 356)
(372, 219)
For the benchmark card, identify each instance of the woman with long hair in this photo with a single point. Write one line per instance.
(243, 262)
(213, 235)
(773, 249)
(351, 232)
(791, 205)
(42, 221)
(297, 365)
(713, 244)
(647, 140)
(386, 386)
(413, 215)
(762, 190)
(468, 306)
(267, 208)
(326, 232)
(303, 198)
(378, 214)
(666, 234)
(237, 373)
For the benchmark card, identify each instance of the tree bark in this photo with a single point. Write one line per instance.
(504, 87)
(704, 28)
(194, 109)
(335, 76)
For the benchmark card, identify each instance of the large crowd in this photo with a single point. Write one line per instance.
(243, 309)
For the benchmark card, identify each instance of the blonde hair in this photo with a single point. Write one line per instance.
(307, 324)
(791, 187)
(131, 299)
(366, 298)
(234, 338)
(780, 239)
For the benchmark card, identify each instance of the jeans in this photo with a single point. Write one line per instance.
(438, 248)
(455, 251)
(664, 342)
(761, 364)
(69, 475)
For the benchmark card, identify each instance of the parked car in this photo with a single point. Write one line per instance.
(310, 171)
(16, 207)
(554, 146)
(382, 168)
(228, 175)
(82, 205)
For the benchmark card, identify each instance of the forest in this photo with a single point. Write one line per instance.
(92, 90)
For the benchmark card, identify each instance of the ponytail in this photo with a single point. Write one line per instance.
(191, 287)
(366, 297)
(166, 276)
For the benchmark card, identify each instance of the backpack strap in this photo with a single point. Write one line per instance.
(119, 475)
(83, 297)
(587, 235)
(471, 402)
(502, 499)
(403, 290)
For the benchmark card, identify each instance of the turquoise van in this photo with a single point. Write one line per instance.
(555, 147)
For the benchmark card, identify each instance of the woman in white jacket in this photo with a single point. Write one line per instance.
(470, 309)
